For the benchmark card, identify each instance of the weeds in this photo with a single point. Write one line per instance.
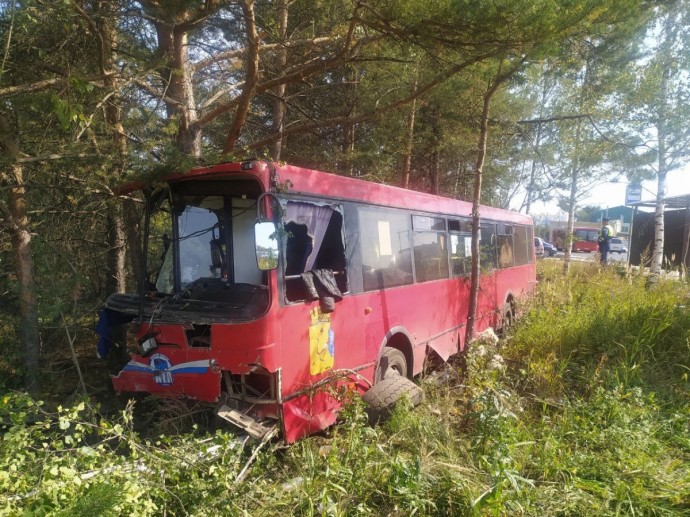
(584, 410)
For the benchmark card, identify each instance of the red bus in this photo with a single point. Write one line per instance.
(340, 282)
(584, 238)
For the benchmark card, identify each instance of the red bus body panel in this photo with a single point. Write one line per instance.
(586, 246)
(558, 239)
(431, 315)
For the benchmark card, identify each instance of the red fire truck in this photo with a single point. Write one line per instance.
(269, 285)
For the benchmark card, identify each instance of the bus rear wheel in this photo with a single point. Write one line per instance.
(507, 317)
(391, 364)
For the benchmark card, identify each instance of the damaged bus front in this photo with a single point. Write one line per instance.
(277, 290)
(200, 318)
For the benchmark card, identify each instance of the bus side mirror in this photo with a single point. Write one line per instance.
(266, 240)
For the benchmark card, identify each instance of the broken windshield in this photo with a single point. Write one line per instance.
(201, 243)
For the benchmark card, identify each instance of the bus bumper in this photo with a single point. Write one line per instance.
(163, 374)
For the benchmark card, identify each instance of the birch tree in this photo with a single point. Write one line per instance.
(657, 102)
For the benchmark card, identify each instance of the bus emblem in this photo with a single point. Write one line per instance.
(160, 365)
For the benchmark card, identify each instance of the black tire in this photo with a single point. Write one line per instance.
(507, 317)
(392, 363)
(382, 397)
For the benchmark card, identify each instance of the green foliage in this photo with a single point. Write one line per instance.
(590, 415)
(584, 409)
(635, 335)
(588, 213)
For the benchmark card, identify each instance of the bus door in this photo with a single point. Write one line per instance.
(318, 325)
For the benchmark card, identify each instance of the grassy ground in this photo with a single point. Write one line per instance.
(583, 410)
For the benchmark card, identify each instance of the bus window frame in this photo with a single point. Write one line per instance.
(338, 205)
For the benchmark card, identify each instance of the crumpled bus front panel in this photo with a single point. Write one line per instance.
(177, 369)
(172, 371)
(309, 414)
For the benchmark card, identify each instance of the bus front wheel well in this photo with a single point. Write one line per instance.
(401, 343)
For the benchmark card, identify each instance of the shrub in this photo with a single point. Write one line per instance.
(583, 409)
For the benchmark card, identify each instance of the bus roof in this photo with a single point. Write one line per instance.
(299, 180)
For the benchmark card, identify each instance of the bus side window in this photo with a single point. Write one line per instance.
(331, 255)
(385, 245)
(430, 256)
(314, 241)
(460, 246)
(298, 247)
(430, 248)
(487, 246)
(460, 254)
(521, 245)
(505, 246)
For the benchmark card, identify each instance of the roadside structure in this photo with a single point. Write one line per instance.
(676, 233)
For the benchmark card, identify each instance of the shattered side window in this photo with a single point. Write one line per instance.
(314, 241)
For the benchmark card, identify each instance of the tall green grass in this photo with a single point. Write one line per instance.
(585, 412)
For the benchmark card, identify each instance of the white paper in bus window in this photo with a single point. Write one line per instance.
(454, 244)
(385, 247)
(468, 246)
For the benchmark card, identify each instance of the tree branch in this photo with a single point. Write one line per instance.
(373, 114)
(54, 156)
(295, 75)
(46, 84)
(555, 118)
(210, 6)
(155, 92)
(232, 54)
(251, 80)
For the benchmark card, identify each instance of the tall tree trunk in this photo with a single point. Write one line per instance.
(115, 282)
(409, 142)
(575, 169)
(349, 129)
(477, 194)
(279, 107)
(103, 25)
(251, 79)
(133, 238)
(173, 45)
(658, 253)
(17, 222)
(537, 144)
(349, 148)
(572, 203)
(409, 132)
(436, 170)
(476, 197)
(662, 165)
(532, 178)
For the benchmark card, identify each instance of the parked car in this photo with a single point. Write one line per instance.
(538, 247)
(618, 246)
(549, 249)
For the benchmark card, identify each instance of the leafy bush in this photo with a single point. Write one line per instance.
(583, 409)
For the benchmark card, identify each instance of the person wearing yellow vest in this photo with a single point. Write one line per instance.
(604, 241)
